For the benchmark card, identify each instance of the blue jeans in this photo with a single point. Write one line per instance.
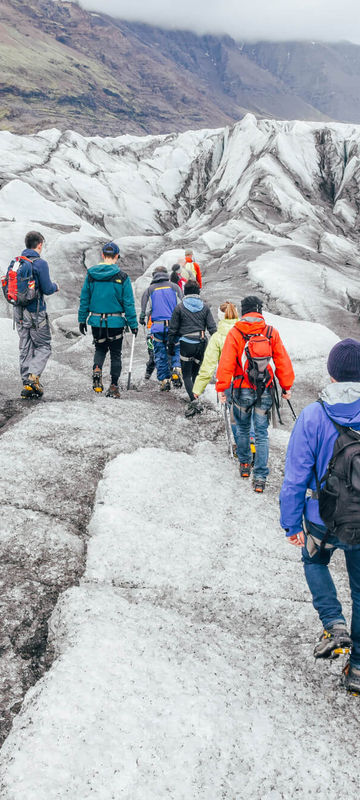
(163, 361)
(243, 399)
(322, 586)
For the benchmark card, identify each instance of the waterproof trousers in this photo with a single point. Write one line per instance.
(191, 356)
(111, 344)
(164, 362)
(321, 584)
(34, 341)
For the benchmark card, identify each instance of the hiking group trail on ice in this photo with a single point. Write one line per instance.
(179, 657)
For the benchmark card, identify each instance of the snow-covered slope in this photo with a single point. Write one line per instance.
(266, 205)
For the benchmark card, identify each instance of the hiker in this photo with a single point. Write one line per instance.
(228, 315)
(158, 302)
(190, 270)
(247, 351)
(107, 305)
(32, 323)
(189, 321)
(319, 531)
(175, 276)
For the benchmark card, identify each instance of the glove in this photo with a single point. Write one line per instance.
(134, 331)
(171, 349)
(142, 319)
(83, 328)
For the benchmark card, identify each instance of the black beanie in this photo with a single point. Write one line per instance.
(344, 361)
(251, 303)
(191, 287)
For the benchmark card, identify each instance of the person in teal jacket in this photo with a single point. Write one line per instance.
(107, 304)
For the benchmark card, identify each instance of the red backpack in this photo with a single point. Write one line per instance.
(18, 284)
(258, 352)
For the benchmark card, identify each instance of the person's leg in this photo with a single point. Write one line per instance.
(175, 359)
(150, 364)
(101, 349)
(352, 557)
(41, 344)
(242, 399)
(115, 348)
(320, 582)
(161, 357)
(186, 354)
(26, 349)
(261, 424)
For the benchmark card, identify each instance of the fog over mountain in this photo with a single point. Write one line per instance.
(301, 19)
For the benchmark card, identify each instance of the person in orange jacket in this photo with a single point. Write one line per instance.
(248, 349)
(190, 270)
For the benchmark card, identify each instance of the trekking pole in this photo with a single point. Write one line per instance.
(292, 410)
(131, 361)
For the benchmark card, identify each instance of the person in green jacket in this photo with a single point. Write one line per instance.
(107, 304)
(228, 315)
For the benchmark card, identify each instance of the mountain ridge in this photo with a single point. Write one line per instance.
(96, 74)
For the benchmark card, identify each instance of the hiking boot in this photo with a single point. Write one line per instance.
(333, 642)
(193, 408)
(245, 469)
(113, 391)
(165, 385)
(97, 380)
(148, 374)
(32, 387)
(176, 378)
(351, 679)
(259, 485)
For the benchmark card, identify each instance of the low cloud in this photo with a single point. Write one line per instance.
(324, 20)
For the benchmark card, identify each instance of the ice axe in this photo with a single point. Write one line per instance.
(131, 361)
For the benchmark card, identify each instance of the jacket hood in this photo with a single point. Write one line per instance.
(193, 302)
(30, 253)
(342, 402)
(160, 276)
(225, 325)
(102, 272)
(250, 323)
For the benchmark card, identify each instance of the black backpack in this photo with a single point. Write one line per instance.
(339, 497)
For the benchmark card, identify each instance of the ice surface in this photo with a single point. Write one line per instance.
(183, 649)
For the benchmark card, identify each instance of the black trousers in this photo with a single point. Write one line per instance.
(113, 345)
(191, 356)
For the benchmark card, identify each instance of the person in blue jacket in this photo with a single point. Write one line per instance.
(310, 449)
(158, 302)
(107, 304)
(32, 321)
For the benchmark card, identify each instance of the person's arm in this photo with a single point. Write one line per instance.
(144, 301)
(228, 362)
(198, 274)
(210, 322)
(299, 470)
(174, 327)
(46, 285)
(84, 301)
(283, 366)
(129, 304)
(208, 366)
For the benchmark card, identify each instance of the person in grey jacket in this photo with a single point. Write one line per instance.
(189, 322)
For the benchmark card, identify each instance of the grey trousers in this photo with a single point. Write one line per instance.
(34, 342)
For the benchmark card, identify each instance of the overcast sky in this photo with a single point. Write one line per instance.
(328, 20)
